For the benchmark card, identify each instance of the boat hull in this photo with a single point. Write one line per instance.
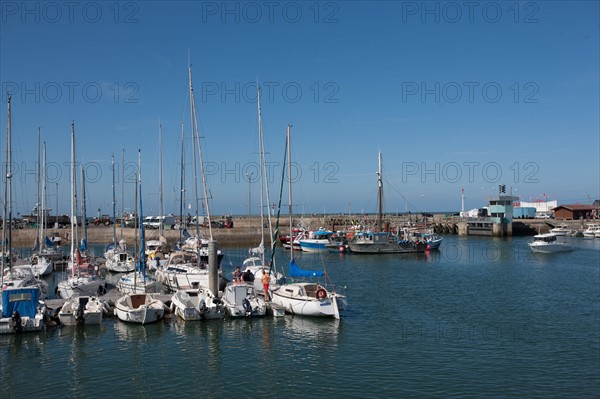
(139, 308)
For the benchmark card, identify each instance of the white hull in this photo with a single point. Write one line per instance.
(550, 248)
(81, 310)
(119, 262)
(41, 266)
(26, 324)
(139, 308)
(241, 300)
(196, 304)
(84, 285)
(138, 283)
(301, 299)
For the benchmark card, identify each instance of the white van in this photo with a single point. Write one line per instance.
(154, 222)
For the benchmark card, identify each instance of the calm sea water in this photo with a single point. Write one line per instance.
(481, 317)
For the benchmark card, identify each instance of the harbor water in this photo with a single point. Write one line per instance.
(481, 317)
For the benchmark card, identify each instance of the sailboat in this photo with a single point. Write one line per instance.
(379, 241)
(118, 260)
(139, 281)
(306, 298)
(21, 303)
(138, 305)
(41, 264)
(83, 278)
(256, 262)
(187, 268)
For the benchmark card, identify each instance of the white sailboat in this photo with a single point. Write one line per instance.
(118, 260)
(256, 262)
(188, 267)
(305, 298)
(83, 278)
(139, 308)
(139, 281)
(41, 264)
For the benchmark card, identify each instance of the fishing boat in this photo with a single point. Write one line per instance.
(317, 240)
(22, 310)
(196, 304)
(242, 300)
(548, 243)
(561, 230)
(383, 242)
(139, 308)
(306, 298)
(78, 310)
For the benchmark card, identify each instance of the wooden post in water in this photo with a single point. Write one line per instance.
(213, 272)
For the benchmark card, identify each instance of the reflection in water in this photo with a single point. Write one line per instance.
(314, 332)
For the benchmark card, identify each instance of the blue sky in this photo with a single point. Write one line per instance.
(454, 94)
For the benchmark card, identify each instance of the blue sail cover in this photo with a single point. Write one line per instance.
(297, 271)
(83, 245)
(186, 233)
(48, 242)
(23, 300)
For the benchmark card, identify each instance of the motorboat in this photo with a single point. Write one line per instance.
(196, 304)
(548, 243)
(561, 230)
(139, 308)
(82, 310)
(592, 230)
(316, 241)
(242, 300)
(22, 310)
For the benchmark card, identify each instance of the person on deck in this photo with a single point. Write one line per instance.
(265, 282)
(237, 275)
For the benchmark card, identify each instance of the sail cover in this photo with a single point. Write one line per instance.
(297, 271)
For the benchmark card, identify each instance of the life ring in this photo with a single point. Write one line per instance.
(321, 293)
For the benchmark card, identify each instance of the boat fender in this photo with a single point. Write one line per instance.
(321, 293)
(101, 290)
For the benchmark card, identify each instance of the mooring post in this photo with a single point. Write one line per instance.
(213, 272)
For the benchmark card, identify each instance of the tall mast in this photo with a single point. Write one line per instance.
(114, 202)
(201, 161)
(44, 213)
(83, 245)
(261, 175)
(122, 190)
(194, 130)
(182, 224)
(39, 177)
(73, 195)
(160, 189)
(142, 233)
(289, 167)
(6, 244)
(379, 195)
